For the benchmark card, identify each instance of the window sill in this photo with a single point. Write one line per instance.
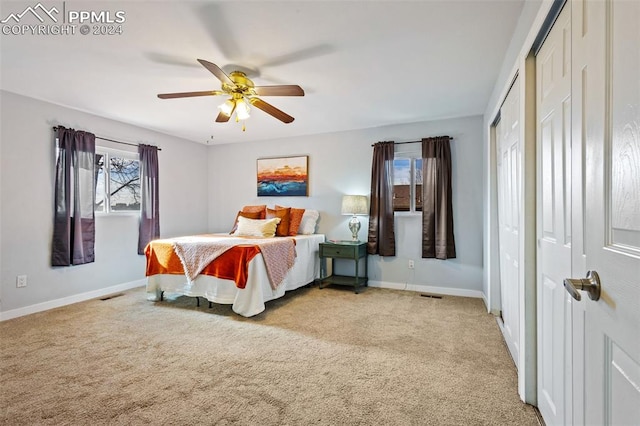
(117, 214)
(407, 214)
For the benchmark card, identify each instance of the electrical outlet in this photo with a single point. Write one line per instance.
(21, 281)
(411, 264)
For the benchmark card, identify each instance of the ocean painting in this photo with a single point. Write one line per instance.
(283, 177)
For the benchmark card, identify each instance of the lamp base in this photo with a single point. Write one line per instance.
(354, 227)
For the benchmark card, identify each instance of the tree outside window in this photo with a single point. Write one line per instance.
(117, 182)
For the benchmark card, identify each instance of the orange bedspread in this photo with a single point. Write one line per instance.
(233, 264)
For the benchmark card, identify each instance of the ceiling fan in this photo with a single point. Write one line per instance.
(241, 93)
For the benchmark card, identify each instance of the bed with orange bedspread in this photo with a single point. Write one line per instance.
(238, 275)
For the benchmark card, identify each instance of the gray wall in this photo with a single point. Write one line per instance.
(201, 189)
(340, 163)
(27, 165)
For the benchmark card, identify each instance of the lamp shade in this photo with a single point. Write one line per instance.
(227, 107)
(355, 205)
(242, 109)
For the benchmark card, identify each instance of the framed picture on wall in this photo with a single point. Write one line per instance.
(283, 176)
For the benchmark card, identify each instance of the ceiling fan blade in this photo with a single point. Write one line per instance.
(165, 59)
(190, 94)
(271, 110)
(300, 55)
(286, 90)
(222, 118)
(215, 70)
(219, 21)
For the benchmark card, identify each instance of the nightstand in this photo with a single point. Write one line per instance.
(353, 250)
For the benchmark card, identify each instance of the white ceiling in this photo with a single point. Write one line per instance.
(361, 63)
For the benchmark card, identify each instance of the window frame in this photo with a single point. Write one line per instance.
(108, 153)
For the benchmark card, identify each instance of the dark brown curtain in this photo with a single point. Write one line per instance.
(74, 225)
(382, 240)
(437, 208)
(149, 204)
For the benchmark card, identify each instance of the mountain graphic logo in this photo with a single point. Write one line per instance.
(38, 11)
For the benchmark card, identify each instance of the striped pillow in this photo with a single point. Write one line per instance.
(256, 227)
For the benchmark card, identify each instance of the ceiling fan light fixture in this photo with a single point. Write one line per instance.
(241, 95)
(227, 107)
(242, 109)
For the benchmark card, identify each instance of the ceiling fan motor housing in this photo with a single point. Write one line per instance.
(243, 85)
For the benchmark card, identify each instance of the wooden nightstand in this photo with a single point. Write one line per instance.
(354, 250)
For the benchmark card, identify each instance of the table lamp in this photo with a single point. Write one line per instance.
(354, 205)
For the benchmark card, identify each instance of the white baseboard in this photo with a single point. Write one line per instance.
(39, 307)
(486, 302)
(45, 306)
(447, 291)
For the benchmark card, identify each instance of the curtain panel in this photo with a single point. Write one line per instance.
(381, 237)
(437, 208)
(149, 191)
(75, 194)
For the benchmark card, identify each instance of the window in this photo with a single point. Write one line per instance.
(407, 181)
(117, 181)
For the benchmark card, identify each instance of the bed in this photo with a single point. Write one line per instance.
(238, 276)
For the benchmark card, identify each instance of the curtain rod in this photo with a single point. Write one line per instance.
(402, 143)
(55, 128)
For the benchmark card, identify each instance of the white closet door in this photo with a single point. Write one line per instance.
(606, 79)
(553, 102)
(509, 166)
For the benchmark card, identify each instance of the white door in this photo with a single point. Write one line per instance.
(606, 132)
(553, 102)
(508, 169)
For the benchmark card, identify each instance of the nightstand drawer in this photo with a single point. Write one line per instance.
(344, 251)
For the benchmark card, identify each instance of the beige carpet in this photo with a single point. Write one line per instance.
(314, 357)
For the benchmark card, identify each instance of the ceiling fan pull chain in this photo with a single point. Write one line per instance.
(244, 128)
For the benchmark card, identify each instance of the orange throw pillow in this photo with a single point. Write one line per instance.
(284, 214)
(262, 208)
(248, 215)
(295, 218)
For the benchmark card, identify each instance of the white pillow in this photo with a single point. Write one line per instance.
(256, 227)
(308, 223)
